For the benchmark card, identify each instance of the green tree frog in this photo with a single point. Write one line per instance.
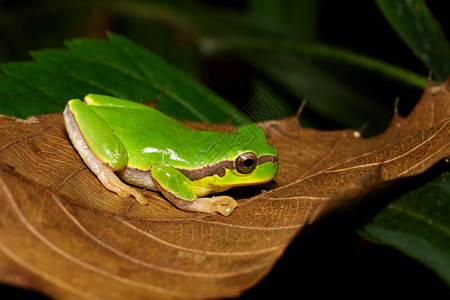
(124, 141)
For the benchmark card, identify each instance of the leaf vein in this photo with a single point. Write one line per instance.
(442, 127)
(33, 269)
(424, 160)
(242, 253)
(75, 260)
(420, 217)
(138, 261)
(250, 227)
(24, 139)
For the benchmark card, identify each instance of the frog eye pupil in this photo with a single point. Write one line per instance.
(246, 162)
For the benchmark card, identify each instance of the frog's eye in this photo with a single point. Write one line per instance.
(246, 162)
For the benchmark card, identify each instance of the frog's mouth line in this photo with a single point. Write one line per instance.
(219, 168)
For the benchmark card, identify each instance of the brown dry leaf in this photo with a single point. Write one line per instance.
(63, 234)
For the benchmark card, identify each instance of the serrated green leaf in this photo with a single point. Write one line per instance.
(418, 225)
(117, 67)
(417, 27)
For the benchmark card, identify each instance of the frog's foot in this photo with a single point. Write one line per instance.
(224, 205)
(114, 184)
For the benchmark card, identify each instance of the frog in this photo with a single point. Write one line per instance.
(129, 146)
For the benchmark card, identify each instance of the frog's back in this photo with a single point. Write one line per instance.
(151, 137)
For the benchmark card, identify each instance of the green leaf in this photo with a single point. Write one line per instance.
(418, 225)
(417, 27)
(117, 67)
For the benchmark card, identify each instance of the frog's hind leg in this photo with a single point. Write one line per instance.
(176, 187)
(77, 113)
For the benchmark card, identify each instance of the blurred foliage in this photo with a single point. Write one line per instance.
(420, 216)
(292, 50)
(345, 59)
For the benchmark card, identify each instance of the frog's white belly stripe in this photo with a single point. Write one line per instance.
(137, 177)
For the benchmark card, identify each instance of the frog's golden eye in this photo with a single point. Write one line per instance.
(246, 162)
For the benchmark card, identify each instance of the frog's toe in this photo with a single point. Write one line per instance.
(128, 191)
(140, 198)
(224, 205)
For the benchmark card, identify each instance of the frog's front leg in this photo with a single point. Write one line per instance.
(99, 148)
(182, 192)
(110, 181)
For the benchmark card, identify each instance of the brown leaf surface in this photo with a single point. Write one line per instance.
(65, 235)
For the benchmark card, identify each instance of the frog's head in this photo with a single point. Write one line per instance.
(245, 158)
(255, 161)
